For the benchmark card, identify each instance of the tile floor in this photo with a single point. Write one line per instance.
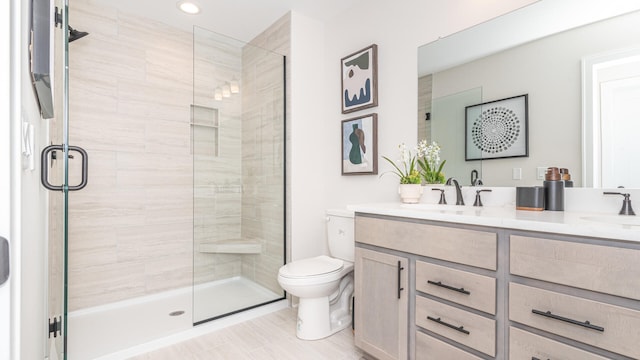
(268, 337)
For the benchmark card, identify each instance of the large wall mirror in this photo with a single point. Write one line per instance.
(581, 74)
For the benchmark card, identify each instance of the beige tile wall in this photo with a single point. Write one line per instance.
(263, 139)
(130, 229)
(133, 229)
(217, 178)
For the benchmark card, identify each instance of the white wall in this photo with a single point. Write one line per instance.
(5, 178)
(307, 142)
(28, 203)
(317, 183)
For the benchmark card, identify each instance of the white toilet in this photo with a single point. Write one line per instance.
(324, 284)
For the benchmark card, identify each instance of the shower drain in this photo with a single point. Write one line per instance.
(176, 313)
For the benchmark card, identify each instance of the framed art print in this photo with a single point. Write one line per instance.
(497, 129)
(360, 79)
(360, 145)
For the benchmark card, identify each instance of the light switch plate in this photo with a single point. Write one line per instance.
(540, 170)
(517, 174)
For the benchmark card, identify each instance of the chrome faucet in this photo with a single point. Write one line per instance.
(459, 199)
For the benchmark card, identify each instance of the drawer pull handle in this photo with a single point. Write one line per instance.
(458, 328)
(535, 358)
(400, 268)
(586, 324)
(439, 283)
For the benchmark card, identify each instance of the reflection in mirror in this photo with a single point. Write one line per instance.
(445, 109)
(549, 71)
(611, 91)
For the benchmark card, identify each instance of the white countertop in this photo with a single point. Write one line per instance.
(599, 225)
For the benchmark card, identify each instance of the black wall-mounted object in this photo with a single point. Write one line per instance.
(4, 260)
(55, 326)
(427, 116)
(75, 34)
(42, 25)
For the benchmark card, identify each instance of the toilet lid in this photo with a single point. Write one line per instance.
(319, 265)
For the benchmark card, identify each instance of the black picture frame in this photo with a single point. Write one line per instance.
(497, 129)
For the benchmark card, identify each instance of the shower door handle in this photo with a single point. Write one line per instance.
(85, 168)
(44, 167)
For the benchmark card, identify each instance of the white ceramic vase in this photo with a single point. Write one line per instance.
(410, 193)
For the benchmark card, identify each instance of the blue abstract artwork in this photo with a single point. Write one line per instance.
(359, 83)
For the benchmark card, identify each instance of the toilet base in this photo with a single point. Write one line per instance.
(318, 318)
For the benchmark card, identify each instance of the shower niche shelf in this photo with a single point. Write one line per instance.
(231, 246)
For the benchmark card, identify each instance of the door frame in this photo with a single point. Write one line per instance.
(5, 170)
(592, 66)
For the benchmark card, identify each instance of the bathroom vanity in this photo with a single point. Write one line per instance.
(462, 283)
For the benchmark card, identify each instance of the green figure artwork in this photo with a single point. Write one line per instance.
(357, 143)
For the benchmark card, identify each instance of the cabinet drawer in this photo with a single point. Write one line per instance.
(593, 267)
(430, 348)
(619, 327)
(462, 287)
(525, 345)
(461, 326)
(470, 247)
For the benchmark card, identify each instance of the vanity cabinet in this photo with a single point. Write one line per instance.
(439, 285)
(381, 303)
(587, 317)
(479, 292)
(434, 256)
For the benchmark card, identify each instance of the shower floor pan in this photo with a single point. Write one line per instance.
(104, 331)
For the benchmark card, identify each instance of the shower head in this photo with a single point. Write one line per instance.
(75, 34)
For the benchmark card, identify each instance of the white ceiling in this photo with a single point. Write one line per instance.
(239, 19)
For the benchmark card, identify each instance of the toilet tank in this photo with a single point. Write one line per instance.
(340, 234)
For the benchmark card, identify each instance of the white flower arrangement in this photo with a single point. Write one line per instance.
(429, 162)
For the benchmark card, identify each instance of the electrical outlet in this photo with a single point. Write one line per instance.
(517, 173)
(540, 171)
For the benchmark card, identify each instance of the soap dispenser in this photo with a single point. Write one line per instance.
(553, 190)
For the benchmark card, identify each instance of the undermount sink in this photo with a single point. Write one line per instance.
(625, 220)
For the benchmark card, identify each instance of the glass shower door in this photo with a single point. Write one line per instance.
(55, 164)
(237, 130)
(57, 160)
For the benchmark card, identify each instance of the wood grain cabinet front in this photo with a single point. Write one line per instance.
(461, 287)
(463, 246)
(525, 345)
(607, 269)
(381, 304)
(469, 329)
(602, 325)
(430, 348)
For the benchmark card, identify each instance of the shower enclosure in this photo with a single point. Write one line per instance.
(237, 130)
(182, 218)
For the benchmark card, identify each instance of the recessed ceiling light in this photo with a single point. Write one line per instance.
(188, 7)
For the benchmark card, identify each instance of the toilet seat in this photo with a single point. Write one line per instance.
(317, 266)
